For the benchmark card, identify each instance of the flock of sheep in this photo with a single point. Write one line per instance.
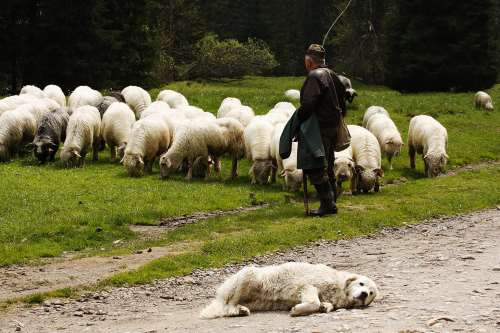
(185, 138)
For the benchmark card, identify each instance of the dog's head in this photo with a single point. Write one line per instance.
(360, 290)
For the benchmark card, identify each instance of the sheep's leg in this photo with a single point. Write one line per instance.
(112, 151)
(95, 150)
(149, 165)
(426, 169)
(310, 302)
(339, 189)
(412, 153)
(217, 166)
(390, 162)
(377, 186)
(234, 168)
(273, 172)
(354, 185)
(189, 175)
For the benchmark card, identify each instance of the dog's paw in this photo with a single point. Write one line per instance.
(243, 311)
(325, 307)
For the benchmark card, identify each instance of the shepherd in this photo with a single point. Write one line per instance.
(319, 127)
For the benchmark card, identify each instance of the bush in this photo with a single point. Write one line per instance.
(230, 58)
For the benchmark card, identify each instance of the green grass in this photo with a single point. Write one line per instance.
(47, 210)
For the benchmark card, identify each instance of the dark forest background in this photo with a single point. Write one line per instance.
(416, 45)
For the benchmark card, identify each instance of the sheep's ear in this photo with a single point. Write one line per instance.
(122, 160)
(50, 150)
(30, 145)
(77, 154)
(359, 168)
(446, 155)
(350, 280)
(141, 160)
(379, 172)
(283, 173)
(388, 142)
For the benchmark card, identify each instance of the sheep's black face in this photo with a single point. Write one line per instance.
(44, 150)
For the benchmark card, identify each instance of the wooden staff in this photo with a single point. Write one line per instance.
(306, 195)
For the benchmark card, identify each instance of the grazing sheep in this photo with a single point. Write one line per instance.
(288, 167)
(345, 170)
(193, 112)
(244, 114)
(105, 104)
(137, 98)
(387, 134)
(38, 108)
(293, 94)
(33, 91)
(367, 156)
(115, 129)
(234, 143)
(428, 137)
(274, 118)
(150, 137)
(82, 134)
(483, 100)
(228, 104)
(258, 137)
(56, 94)
(156, 107)
(373, 110)
(82, 96)
(17, 128)
(172, 98)
(50, 133)
(350, 92)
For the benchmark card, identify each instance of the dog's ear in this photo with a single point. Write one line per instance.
(350, 280)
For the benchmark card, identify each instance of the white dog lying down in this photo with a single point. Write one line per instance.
(300, 288)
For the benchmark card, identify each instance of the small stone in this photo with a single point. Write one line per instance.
(78, 314)
(150, 250)
(496, 269)
(98, 229)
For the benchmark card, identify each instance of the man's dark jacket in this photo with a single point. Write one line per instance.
(318, 96)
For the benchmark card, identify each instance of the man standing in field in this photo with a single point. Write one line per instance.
(324, 96)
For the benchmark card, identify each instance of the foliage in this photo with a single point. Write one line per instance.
(231, 59)
(454, 50)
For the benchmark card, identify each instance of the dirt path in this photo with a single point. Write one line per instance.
(439, 276)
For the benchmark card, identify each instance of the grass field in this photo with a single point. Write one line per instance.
(47, 210)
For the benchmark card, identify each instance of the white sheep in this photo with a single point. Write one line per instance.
(258, 137)
(387, 134)
(428, 137)
(55, 93)
(345, 170)
(155, 107)
(293, 94)
(82, 96)
(287, 168)
(228, 104)
(173, 98)
(33, 91)
(244, 114)
(234, 143)
(82, 134)
(483, 100)
(150, 137)
(116, 125)
(137, 98)
(17, 128)
(373, 110)
(368, 158)
(192, 142)
(12, 102)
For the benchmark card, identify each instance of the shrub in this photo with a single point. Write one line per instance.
(230, 58)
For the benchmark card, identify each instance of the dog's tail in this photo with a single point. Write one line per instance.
(216, 309)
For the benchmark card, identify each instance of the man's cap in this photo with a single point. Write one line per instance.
(316, 50)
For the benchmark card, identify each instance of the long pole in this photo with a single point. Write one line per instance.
(335, 22)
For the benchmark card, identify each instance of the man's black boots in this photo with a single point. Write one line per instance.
(326, 197)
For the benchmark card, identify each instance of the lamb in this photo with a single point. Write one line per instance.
(367, 156)
(258, 137)
(373, 110)
(172, 98)
(50, 132)
(56, 94)
(82, 134)
(105, 104)
(350, 92)
(82, 96)
(116, 125)
(33, 91)
(293, 94)
(150, 137)
(244, 114)
(137, 98)
(483, 100)
(387, 134)
(228, 104)
(345, 170)
(428, 137)
(288, 167)
(17, 128)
